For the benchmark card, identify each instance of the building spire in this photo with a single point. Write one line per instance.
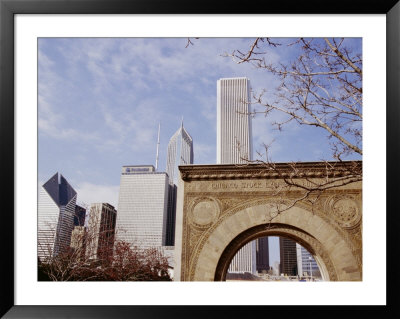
(182, 122)
(158, 144)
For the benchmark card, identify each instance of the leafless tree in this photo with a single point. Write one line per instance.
(95, 255)
(321, 87)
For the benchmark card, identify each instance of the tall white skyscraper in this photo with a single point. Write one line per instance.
(179, 152)
(306, 263)
(142, 206)
(234, 137)
(56, 211)
(234, 145)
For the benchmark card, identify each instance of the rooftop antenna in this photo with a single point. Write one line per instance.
(182, 122)
(158, 145)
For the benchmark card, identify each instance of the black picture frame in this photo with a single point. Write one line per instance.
(8, 8)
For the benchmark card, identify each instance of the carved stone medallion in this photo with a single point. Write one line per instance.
(204, 213)
(345, 211)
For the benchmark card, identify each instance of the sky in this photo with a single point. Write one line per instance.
(100, 101)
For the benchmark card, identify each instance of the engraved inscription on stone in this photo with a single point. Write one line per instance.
(237, 185)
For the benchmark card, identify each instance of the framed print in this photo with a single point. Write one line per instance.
(152, 63)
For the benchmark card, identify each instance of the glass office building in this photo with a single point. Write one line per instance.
(80, 216)
(142, 206)
(306, 264)
(262, 255)
(288, 256)
(56, 211)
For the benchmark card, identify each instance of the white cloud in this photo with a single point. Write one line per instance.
(89, 193)
(106, 96)
(209, 108)
(203, 153)
(48, 82)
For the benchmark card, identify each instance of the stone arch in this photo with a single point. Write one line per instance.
(235, 228)
(304, 239)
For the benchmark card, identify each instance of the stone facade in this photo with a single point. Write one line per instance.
(222, 207)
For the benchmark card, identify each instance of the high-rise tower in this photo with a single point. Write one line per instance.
(234, 145)
(142, 206)
(234, 137)
(306, 263)
(288, 256)
(80, 216)
(56, 211)
(179, 152)
(262, 255)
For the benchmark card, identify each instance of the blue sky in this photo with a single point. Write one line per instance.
(100, 101)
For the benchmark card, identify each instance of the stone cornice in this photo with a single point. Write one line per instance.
(271, 171)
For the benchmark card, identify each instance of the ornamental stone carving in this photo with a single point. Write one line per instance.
(220, 207)
(204, 212)
(344, 209)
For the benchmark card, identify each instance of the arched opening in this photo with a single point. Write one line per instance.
(207, 256)
(273, 258)
(289, 235)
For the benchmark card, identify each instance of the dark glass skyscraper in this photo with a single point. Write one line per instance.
(262, 254)
(80, 216)
(288, 252)
(56, 211)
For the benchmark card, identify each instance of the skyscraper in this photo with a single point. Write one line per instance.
(142, 206)
(262, 254)
(80, 216)
(234, 145)
(244, 260)
(179, 152)
(306, 263)
(288, 255)
(101, 231)
(56, 211)
(234, 135)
